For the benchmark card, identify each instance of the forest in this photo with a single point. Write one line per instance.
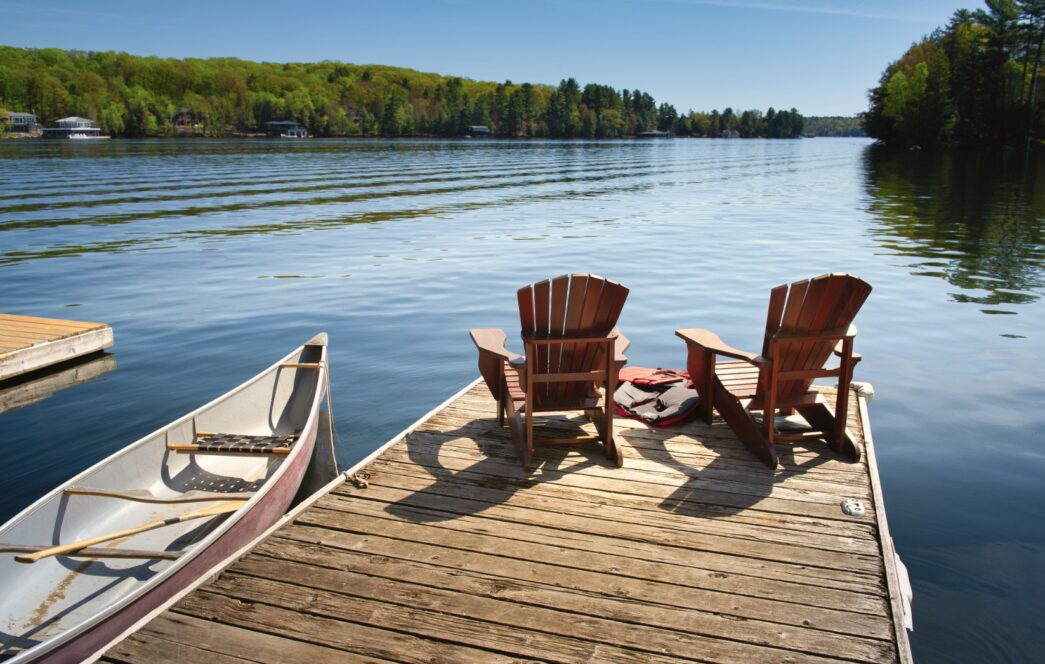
(132, 96)
(973, 82)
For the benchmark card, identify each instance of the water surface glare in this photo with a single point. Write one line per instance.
(210, 259)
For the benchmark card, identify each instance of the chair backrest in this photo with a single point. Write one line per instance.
(571, 305)
(811, 307)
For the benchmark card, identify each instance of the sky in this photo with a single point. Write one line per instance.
(819, 56)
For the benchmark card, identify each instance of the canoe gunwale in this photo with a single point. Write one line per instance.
(42, 649)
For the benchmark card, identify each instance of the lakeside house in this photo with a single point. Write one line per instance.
(654, 134)
(477, 131)
(73, 127)
(285, 129)
(185, 122)
(21, 123)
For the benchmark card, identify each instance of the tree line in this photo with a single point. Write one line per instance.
(973, 82)
(142, 96)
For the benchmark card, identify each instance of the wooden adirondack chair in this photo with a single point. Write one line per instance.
(807, 321)
(572, 348)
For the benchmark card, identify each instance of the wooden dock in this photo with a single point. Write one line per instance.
(28, 343)
(449, 552)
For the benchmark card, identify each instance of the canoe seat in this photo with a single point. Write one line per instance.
(236, 443)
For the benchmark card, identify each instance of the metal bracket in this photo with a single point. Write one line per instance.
(854, 507)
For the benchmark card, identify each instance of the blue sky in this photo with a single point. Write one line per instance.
(820, 56)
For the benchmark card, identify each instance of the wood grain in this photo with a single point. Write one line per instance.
(693, 551)
(28, 343)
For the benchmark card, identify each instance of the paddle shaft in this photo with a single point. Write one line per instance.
(221, 508)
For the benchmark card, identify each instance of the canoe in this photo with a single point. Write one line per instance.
(234, 465)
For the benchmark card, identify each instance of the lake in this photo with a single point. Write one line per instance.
(211, 259)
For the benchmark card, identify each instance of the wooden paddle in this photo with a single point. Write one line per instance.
(220, 508)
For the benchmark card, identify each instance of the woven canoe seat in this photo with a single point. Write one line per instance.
(237, 443)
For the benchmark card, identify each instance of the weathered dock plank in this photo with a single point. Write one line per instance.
(450, 552)
(29, 343)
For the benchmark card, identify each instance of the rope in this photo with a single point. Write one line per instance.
(330, 419)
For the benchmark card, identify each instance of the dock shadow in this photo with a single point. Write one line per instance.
(463, 488)
(721, 487)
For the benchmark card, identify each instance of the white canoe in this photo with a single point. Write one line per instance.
(65, 608)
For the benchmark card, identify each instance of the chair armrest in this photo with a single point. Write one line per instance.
(709, 341)
(490, 341)
(622, 344)
(856, 356)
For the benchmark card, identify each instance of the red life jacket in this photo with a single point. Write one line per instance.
(659, 397)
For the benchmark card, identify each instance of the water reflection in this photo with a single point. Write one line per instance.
(20, 392)
(973, 219)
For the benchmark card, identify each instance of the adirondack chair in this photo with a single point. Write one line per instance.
(807, 321)
(572, 348)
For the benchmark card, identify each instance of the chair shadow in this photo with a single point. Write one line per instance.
(493, 479)
(720, 488)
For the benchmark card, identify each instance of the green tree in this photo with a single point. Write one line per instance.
(667, 117)
(973, 81)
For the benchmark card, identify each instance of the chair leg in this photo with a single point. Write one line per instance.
(613, 451)
(838, 437)
(838, 433)
(602, 418)
(528, 432)
(518, 429)
(744, 426)
(502, 407)
(769, 409)
(700, 364)
(821, 418)
(845, 377)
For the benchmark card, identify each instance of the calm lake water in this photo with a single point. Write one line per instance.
(210, 259)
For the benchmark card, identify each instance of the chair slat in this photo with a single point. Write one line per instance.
(808, 317)
(592, 300)
(527, 311)
(793, 309)
(541, 300)
(777, 299)
(542, 326)
(560, 288)
(571, 351)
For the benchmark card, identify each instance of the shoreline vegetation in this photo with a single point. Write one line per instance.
(974, 83)
(134, 96)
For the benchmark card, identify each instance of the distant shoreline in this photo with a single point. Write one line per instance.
(263, 137)
(128, 95)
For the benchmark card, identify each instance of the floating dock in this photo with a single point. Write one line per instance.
(28, 343)
(443, 549)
